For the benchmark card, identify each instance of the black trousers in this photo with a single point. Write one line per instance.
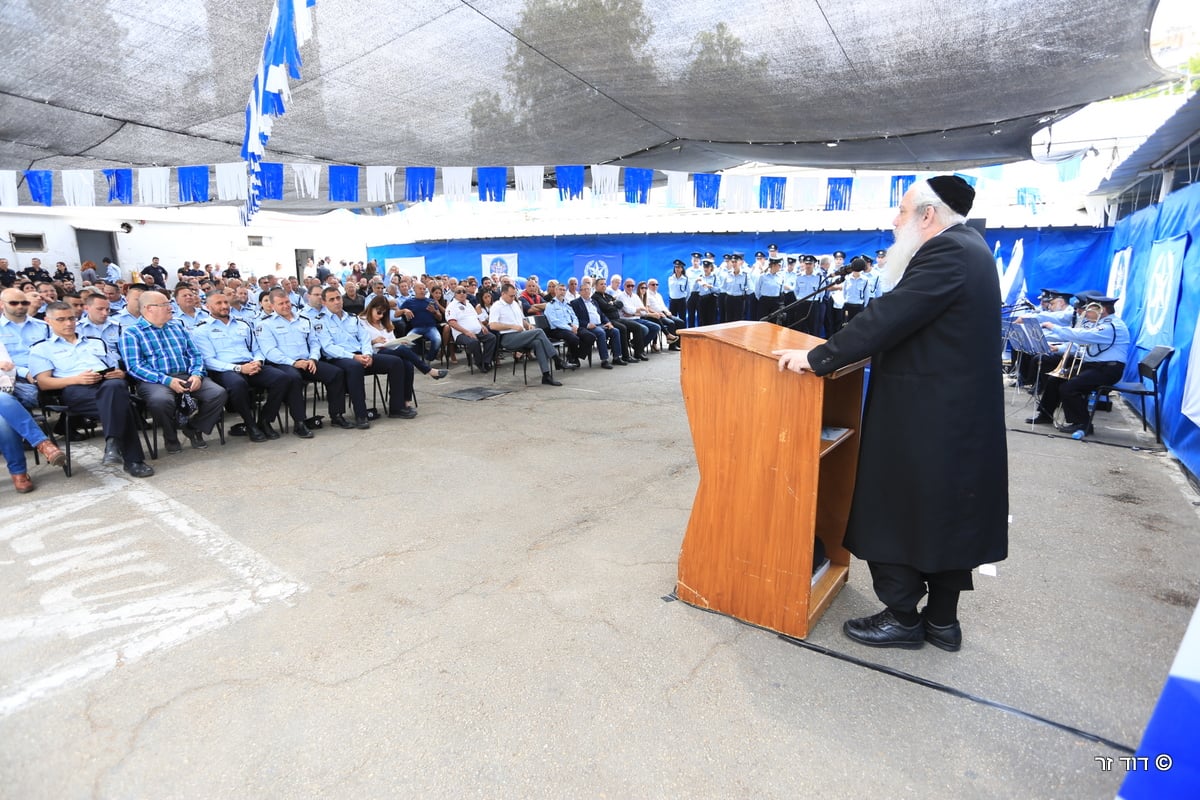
(108, 400)
(692, 307)
(279, 385)
(579, 343)
(1073, 394)
(900, 587)
(399, 372)
(707, 309)
(633, 335)
(678, 308)
(482, 348)
(333, 378)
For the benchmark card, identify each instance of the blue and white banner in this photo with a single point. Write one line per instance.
(1191, 385)
(599, 267)
(1162, 292)
(497, 264)
(1118, 275)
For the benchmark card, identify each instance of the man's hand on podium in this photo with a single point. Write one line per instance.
(795, 360)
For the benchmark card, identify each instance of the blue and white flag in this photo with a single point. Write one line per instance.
(1161, 292)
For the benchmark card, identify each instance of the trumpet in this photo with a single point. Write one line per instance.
(1071, 363)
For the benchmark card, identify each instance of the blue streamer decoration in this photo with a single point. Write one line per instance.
(637, 185)
(419, 183)
(271, 187)
(1069, 170)
(41, 185)
(570, 182)
(900, 186)
(193, 184)
(971, 179)
(281, 51)
(493, 182)
(1030, 198)
(837, 197)
(120, 185)
(770, 192)
(343, 184)
(707, 188)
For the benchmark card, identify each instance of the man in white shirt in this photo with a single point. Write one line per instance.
(661, 314)
(469, 332)
(507, 319)
(632, 308)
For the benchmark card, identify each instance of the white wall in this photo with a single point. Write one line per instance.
(182, 234)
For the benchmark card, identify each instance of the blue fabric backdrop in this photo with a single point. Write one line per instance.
(1068, 258)
(1178, 214)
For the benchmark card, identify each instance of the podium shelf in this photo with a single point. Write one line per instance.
(841, 435)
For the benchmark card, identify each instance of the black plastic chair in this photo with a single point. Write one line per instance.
(1150, 369)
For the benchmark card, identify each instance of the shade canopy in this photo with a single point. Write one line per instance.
(695, 85)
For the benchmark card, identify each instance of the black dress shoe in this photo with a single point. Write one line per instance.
(301, 430)
(139, 469)
(884, 630)
(1040, 419)
(174, 448)
(947, 637)
(362, 423)
(1076, 428)
(197, 440)
(269, 432)
(341, 422)
(642, 358)
(605, 365)
(255, 435)
(548, 380)
(438, 374)
(404, 413)
(620, 362)
(112, 452)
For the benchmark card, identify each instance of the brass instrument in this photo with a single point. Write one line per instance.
(1071, 363)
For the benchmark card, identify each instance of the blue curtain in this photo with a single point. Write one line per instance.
(493, 183)
(570, 182)
(770, 192)
(707, 188)
(837, 196)
(637, 185)
(41, 185)
(343, 184)
(120, 185)
(900, 185)
(419, 183)
(193, 184)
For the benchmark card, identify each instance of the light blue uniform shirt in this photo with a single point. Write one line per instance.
(806, 285)
(224, 344)
(285, 342)
(560, 316)
(109, 332)
(855, 290)
(694, 274)
(736, 284)
(18, 338)
(677, 286)
(708, 283)
(341, 337)
(769, 285)
(191, 322)
(1108, 340)
(63, 360)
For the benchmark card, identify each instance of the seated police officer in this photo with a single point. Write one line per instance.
(234, 360)
(1103, 344)
(85, 371)
(345, 344)
(288, 342)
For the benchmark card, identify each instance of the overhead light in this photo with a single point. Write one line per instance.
(831, 144)
(995, 132)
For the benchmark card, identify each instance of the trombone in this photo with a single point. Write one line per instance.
(1071, 363)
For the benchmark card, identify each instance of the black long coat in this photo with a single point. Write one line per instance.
(932, 484)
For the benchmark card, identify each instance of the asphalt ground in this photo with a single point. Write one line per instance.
(477, 603)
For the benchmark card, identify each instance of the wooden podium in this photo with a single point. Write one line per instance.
(769, 481)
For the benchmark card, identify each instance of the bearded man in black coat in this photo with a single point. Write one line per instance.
(931, 494)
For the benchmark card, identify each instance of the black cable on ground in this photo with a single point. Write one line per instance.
(1086, 440)
(905, 676)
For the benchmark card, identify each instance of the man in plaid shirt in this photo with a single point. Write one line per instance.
(160, 354)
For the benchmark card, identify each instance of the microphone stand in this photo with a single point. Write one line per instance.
(781, 313)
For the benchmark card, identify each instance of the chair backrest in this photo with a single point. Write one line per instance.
(540, 321)
(1149, 366)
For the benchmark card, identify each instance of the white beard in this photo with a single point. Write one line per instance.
(908, 242)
